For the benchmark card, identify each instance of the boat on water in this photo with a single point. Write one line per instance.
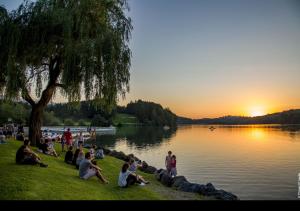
(212, 128)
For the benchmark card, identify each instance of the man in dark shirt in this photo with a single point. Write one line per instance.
(25, 155)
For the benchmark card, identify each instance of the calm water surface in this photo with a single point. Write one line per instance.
(253, 162)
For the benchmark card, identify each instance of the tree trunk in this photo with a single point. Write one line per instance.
(36, 116)
(35, 124)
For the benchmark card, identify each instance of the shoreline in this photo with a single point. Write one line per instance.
(180, 183)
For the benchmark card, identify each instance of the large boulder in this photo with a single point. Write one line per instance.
(166, 179)
(223, 195)
(177, 181)
(134, 158)
(210, 189)
(119, 155)
(191, 187)
(158, 174)
(148, 169)
(106, 151)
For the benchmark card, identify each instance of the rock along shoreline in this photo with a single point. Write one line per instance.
(179, 183)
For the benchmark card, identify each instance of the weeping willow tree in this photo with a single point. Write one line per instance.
(79, 47)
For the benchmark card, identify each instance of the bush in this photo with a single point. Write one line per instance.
(82, 122)
(69, 122)
(49, 119)
(99, 121)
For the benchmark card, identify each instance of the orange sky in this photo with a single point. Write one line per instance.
(208, 59)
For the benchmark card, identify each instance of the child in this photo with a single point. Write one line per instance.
(133, 166)
(173, 166)
(99, 154)
(92, 151)
(168, 161)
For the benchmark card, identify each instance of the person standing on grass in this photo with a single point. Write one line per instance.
(63, 142)
(168, 161)
(88, 170)
(80, 140)
(26, 156)
(93, 135)
(68, 138)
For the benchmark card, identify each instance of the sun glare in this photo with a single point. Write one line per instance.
(257, 111)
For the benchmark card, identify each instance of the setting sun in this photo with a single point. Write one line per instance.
(257, 111)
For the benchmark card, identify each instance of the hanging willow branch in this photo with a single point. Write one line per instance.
(79, 46)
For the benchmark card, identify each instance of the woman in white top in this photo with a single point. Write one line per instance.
(80, 139)
(127, 178)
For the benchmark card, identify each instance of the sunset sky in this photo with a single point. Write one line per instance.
(210, 58)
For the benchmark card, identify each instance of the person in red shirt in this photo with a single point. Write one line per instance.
(173, 166)
(68, 138)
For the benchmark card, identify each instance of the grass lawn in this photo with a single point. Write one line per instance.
(61, 181)
(124, 119)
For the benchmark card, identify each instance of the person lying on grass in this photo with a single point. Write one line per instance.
(26, 156)
(69, 155)
(88, 170)
(127, 178)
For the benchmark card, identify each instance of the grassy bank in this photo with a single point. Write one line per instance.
(61, 182)
(125, 119)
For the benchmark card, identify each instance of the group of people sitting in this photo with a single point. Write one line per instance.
(87, 165)
(47, 147)
(9, 131)
(76, 157)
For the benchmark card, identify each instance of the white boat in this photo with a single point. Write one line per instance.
(75, 130)
(79, 129)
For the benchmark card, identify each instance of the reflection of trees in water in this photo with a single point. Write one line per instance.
(292, 130)
(139, 137)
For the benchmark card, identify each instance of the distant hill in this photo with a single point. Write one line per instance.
(285, 117)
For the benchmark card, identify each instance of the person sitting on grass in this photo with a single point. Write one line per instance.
(133, 166)
(99, 153)
(75, 156)
(26, 156)
(69, 156)
(47, 148)
(51, 147)
(20, 137)
(92, 151)
(127, 178)
(88, 170)
(80, 156)
(2, 138)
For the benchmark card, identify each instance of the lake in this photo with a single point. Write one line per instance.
(253, 162)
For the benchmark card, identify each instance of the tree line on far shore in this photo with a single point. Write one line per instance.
(87, 113)
(285, 117)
